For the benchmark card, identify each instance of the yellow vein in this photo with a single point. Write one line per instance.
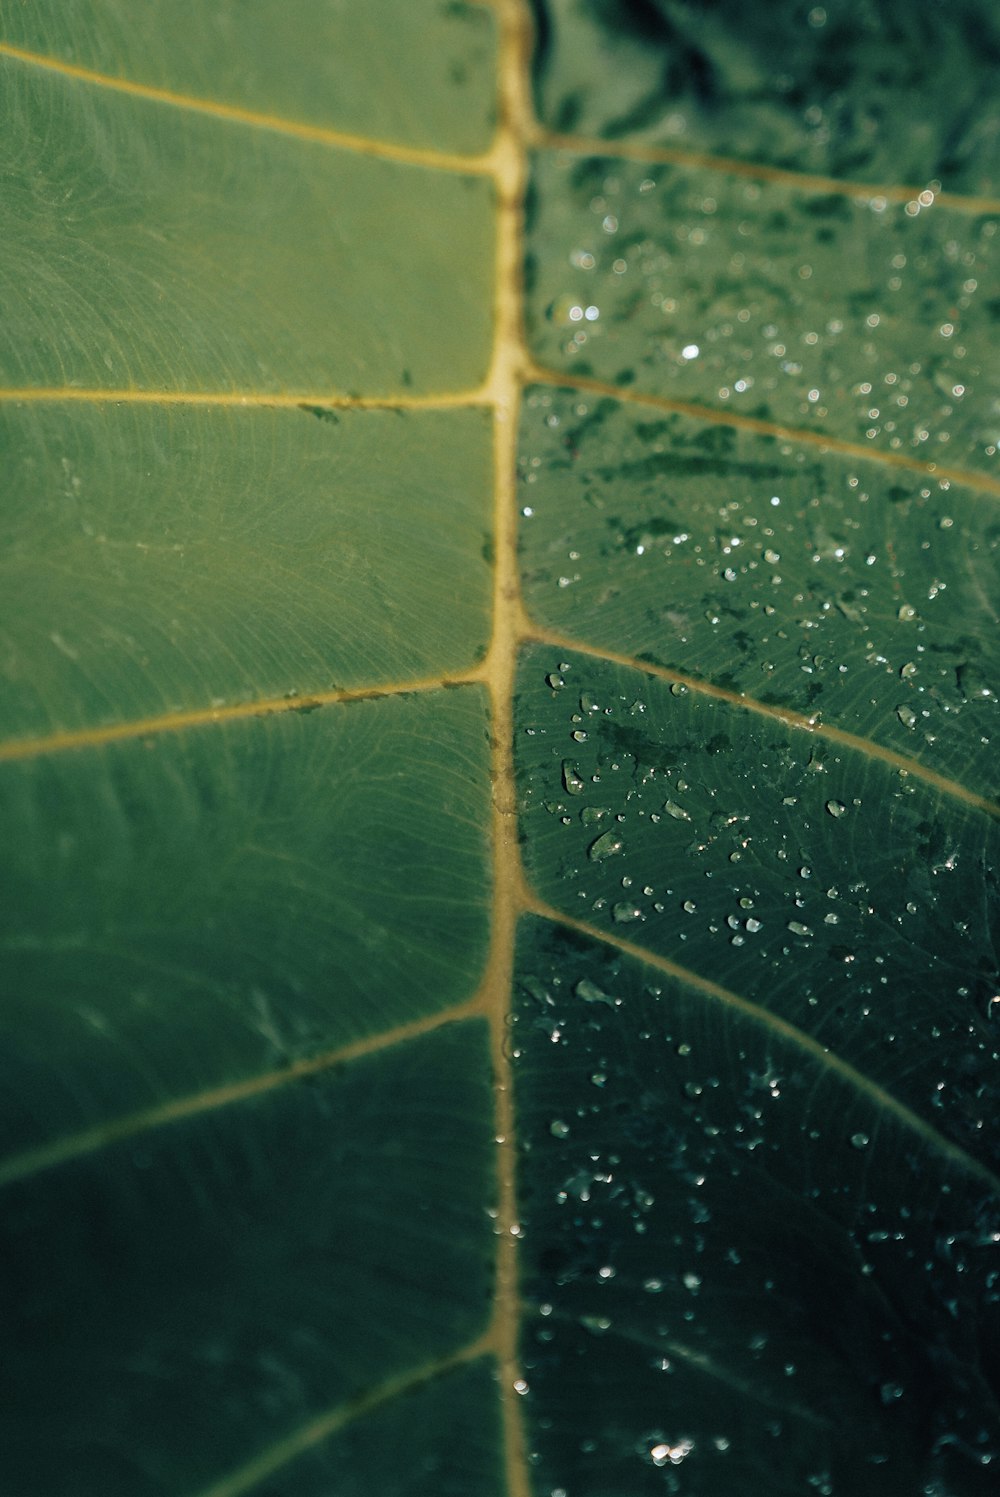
(479, 165)
(569, 380)
(50, 394)
(283, 1451)
(505, 383)
(198, 717)
(104, 1135)
(783, 715)
(856, 1079)
(643, 151)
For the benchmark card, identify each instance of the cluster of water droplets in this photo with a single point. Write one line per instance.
(693, 1193)
(859, 316)
(829, 587)
(809, 879)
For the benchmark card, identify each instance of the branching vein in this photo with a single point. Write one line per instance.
(883, 1100)
(268, 1461)
(785, 715)
(646, 151)
(198, 717)
(481, 165)
(540, 375)
(104, 1135)
(249, 399)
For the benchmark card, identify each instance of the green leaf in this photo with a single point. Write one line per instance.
(498, 684)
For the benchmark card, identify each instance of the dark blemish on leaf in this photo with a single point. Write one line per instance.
(829, 205)
(644, 749)
(321, 412)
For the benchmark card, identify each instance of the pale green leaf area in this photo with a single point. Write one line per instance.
(414, 71)
(498, 976)
(132, 254)
(158, 559)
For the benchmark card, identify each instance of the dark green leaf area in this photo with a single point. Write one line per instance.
(811, 880)
(168, 558)
(442, 1440)
(813, 310)
(864, 594)
(188, 910)
(188, 253)
(178, 1303)
(887, 92)
(325, 65)
(741, 1276)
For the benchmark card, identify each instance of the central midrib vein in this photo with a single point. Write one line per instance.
(504, 386)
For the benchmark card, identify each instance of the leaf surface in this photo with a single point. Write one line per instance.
(498, 683)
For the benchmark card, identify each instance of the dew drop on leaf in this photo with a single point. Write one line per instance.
(605, 846)
(572, 782)
(677, 812)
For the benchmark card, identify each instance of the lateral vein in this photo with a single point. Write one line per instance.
(104, 1135)
(810, 182)
(876, 1094)
(283, 1451)
(785, 715)
(246, 399)
(568, 380)
(476, 165)
(199, 717)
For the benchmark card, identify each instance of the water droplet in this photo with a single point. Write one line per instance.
(623, 912)
(907, 716)
(605, 846)
(860, 1140)
(558, 1128)
(571, 779)
(972, 685)
(554, 680)
(836, 807)
(537, 989)
(677, 812)
(596, 1324)
(591, 993)
(798, 929)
